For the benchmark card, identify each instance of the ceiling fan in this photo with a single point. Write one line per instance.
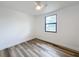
(39, 5)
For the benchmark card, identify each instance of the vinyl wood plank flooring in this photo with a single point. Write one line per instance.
(35, 48)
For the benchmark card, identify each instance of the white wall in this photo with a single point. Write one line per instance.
(67, 28)
(15, 27)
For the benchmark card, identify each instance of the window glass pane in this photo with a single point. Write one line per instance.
(51, 27)
(51, 19)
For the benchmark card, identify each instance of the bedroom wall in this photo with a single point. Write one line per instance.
(67, 28)
(15, 27)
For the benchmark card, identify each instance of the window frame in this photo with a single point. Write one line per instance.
(51, 23)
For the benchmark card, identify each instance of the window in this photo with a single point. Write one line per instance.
(51, 24)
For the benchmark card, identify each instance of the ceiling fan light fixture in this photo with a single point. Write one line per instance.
(38, 7)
